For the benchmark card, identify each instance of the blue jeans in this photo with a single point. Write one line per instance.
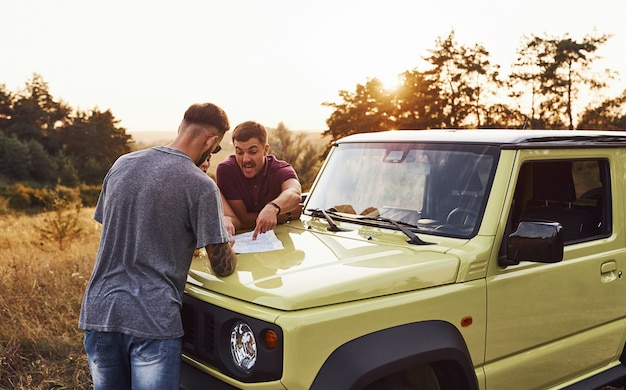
(118, 361)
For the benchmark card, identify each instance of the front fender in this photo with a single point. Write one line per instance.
(376, 355)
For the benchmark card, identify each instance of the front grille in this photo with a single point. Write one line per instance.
(199, 326)
(209, 331)
(189, 325)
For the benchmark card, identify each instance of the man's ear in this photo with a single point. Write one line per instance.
(266, 149)
(210, 141)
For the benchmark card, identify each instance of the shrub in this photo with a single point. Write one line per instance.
(63, 223)
(23, 197)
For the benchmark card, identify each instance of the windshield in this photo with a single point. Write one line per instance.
(437, 188)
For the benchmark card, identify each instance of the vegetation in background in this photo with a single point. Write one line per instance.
(299, 151)
(42, 288)
(62, 225)
(461, 88)
(44, 141)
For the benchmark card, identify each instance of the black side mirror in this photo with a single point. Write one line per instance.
(535, 241)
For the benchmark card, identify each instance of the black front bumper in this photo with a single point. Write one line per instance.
(193, 379)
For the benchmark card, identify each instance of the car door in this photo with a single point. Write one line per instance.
(547, 323)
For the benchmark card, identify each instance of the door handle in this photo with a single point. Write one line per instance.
(608, 271)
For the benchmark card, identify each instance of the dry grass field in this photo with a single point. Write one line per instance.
(41, 289)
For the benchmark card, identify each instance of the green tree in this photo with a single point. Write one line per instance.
(296, 150)
(66, 172)
(369, 109)
(26, 160)
(418, 102)
(502, 116)
(95, 141)
(41, 166)
(609, 115)
(463, 76)
(6, 107)
(14, 158)
(36, 114)
(556, 70)
(452, 93)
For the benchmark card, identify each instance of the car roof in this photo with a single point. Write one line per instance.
(504, 138)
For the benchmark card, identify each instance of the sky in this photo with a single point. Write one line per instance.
(270, 61)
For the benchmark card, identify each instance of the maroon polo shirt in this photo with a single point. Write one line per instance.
(255, 192)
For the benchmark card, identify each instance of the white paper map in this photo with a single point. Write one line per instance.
(264, 242)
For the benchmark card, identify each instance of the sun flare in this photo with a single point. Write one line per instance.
(390, 81)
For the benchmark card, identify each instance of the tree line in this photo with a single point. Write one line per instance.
(50, 153)
(461, 88)
(45, 141)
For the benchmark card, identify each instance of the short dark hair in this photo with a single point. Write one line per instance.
(250, 129)
(207, 114)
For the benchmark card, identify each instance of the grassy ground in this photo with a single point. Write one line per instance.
(41, 291)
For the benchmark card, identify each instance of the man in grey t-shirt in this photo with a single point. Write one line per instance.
(156, 207)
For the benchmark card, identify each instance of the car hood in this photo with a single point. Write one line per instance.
(317, 267)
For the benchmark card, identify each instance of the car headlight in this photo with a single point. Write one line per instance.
(243, 346)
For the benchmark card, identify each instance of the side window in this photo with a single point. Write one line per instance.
(574, 193)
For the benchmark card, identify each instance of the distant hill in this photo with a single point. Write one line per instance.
(146, 139)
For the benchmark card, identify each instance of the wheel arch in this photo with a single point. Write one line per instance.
(377, 355)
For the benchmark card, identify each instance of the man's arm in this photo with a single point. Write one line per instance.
(222, 257)
(287, 201)
(246, 219)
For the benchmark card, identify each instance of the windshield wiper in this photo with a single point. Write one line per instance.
(332, 226)
(413, 239)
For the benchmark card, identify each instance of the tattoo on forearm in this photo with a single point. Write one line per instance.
(223, 259)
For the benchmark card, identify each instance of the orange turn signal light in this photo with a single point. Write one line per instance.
(270, 338)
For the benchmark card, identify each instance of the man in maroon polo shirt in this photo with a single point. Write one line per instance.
(262, 190)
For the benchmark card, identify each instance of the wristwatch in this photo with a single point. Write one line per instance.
(277, 207)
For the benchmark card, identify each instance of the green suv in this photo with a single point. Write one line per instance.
(433, 259)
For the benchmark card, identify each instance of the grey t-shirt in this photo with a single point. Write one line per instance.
(156, 207)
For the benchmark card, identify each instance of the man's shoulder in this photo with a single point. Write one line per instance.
(227, 164)
(275, 163)
(134, 154)
(154, 153)
(280, 169)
